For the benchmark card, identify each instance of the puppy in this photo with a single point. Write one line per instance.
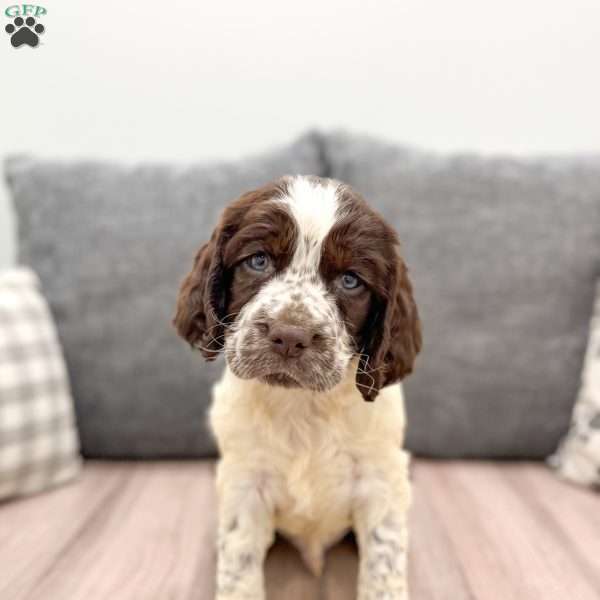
(302, 288)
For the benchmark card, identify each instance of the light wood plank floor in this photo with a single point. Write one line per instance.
(144, 531)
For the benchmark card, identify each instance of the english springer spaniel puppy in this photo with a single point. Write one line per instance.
(302, 288)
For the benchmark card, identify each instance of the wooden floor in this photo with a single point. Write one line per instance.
(144, 531)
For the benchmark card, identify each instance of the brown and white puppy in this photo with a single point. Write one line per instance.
(301, 286)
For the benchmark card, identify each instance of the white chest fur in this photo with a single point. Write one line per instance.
(312, 455)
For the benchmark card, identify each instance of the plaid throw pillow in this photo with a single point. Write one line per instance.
(578, 457)
(38, 440)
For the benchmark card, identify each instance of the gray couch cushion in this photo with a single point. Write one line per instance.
(111, 245)
(504, 254)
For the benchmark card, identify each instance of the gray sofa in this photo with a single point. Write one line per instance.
(504, 255)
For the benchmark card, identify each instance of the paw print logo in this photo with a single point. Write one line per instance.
(24, 32)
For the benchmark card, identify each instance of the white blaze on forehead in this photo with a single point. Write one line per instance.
(314, 208)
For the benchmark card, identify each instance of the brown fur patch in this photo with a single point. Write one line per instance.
(217, 287)
(382, 317)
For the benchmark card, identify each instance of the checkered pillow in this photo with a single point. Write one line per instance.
(38, 440)
(578, 457)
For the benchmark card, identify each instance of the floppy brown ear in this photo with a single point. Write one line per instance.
(201, 302)
(395, 337)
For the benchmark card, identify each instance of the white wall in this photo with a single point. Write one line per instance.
(185, 80)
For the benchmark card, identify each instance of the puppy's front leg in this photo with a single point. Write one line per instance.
(380, 523)
(245, 533)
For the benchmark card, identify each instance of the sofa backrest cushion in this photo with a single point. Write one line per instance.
(504, 254)
(111, 244)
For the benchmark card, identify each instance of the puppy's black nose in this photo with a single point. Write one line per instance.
(289, 340)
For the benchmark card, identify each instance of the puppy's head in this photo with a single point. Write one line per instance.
(298, 278)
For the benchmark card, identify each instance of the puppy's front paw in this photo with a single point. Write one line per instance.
(383, 562)
(382, 593)
(239, 576)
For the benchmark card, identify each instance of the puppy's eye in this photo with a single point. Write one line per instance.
(259, 262)
(350, 281)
